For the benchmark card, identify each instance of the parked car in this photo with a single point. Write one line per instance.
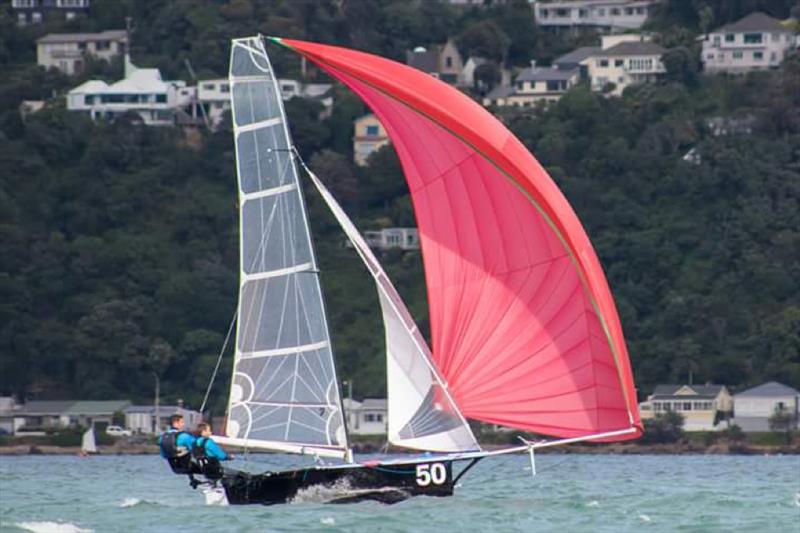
(117, 431)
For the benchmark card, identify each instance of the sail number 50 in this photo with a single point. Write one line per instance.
(434, 473)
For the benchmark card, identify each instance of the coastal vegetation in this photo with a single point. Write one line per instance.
(119, 243)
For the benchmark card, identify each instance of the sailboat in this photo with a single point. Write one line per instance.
(88, 442)
(525, 332)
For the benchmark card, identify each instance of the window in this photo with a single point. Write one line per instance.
(773, 56)
(780, 406)
(604, 63)
(716, 40)
(448, 61)
(583, 13)
(224, 88)
(758, 56)
(752, 38)
(102, 45)
(556, 86)
(209, 86)
(88, 99)
(629, 11)
(36, 17)
(161, 98)
(687, 406)
(667, 406)
(562, 12)
(601, 12)
(657, 406)
(730, 37)
(615, 11)
(640, 11)
(737, 55)
(372, 130)
(619, 62)
(543, 13)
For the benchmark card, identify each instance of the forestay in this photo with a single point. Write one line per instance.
(284, 394)
(422, 415)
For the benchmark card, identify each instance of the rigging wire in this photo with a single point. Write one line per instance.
(219, 359)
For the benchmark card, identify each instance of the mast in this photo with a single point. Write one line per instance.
(284, 394)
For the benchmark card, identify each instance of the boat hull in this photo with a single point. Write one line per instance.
(383, 482)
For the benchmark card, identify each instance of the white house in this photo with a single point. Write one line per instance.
(215, 97)
(752, 408)
(320, 92)
(624, 60)
(142, 418)
(142, 91)
(67, 52)
(366, 418)
(36, 11)
(754, 42)
(41, 415)
(534, 85)
(597, 14)
(388, 238)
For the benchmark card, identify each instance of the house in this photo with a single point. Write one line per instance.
(731, 125)
(467, 79)
(370, 135)
(142, 92)
(604, 15)
(7, 408)
(624, 60)
(90, 413)
(142, 418)
(752, 408)
(320, 92)
(215, 98)
(386, 239)
(42, 415)
(443, 62)
(700, 405)
(576, 60)
(67, 52)
(366, 418)
(754, 42)
(36, 11)
(534, 85)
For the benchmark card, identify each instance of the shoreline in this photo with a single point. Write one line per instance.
(683, 448)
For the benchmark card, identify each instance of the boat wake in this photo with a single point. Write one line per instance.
(343, 492)
(51, 527)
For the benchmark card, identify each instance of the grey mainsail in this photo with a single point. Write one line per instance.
(284, 394)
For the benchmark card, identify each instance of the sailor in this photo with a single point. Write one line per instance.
(207, 453)
(176, 445)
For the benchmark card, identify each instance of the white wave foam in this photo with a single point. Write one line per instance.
(130, 502)
(328, 521)
(337, 491)
(51, 527)
(644, 518)
(593, 503)
(797, 499)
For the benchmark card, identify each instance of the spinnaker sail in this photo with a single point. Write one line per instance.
(284, 395)
(525, 331)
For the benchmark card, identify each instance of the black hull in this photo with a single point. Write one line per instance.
(385, 483)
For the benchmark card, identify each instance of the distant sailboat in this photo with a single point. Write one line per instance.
(88, 442)
(525, 331)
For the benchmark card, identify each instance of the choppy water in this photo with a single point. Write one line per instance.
(571, 493)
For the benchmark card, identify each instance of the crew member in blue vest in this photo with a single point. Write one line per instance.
(176, 446)
(207, 453)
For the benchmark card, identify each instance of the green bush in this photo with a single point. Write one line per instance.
(664, 428)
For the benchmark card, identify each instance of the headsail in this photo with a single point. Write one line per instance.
(421, 413)
(284, 394)
(524, 327)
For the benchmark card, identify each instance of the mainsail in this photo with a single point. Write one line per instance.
(421, 412)
(525, 331)
(284, 395)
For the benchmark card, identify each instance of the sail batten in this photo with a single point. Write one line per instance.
(284, 393)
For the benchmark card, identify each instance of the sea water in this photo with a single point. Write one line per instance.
(570, 493)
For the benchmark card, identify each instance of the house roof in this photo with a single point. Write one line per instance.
(140, 81)
(427, 61)
(96, 408)
(164, 410)
(501, 91)
(374, 403)
(52, 408)
(109, 35)
(755, 22)
(545, 74)
(577, 55)
(771, 389)
(632, 48)
(665, 392)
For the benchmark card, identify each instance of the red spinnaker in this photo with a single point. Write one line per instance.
(524, 328)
